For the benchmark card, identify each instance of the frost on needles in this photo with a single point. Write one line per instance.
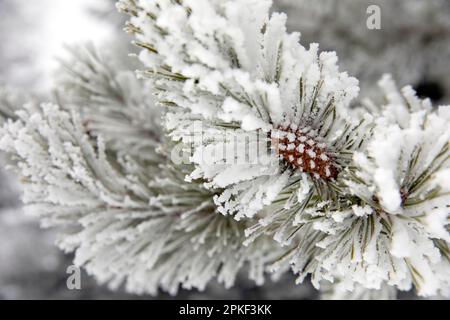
(234, 67)
(122, 206)
(353, 194)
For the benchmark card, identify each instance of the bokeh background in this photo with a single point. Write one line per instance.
(413, 44)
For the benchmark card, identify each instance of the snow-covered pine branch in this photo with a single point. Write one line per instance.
(392, 226)
(235, 69)
(252, 86)
(113, 103)
(100, 169)
(126, 220)
(355, 197)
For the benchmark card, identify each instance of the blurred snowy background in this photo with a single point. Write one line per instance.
(413, 44)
